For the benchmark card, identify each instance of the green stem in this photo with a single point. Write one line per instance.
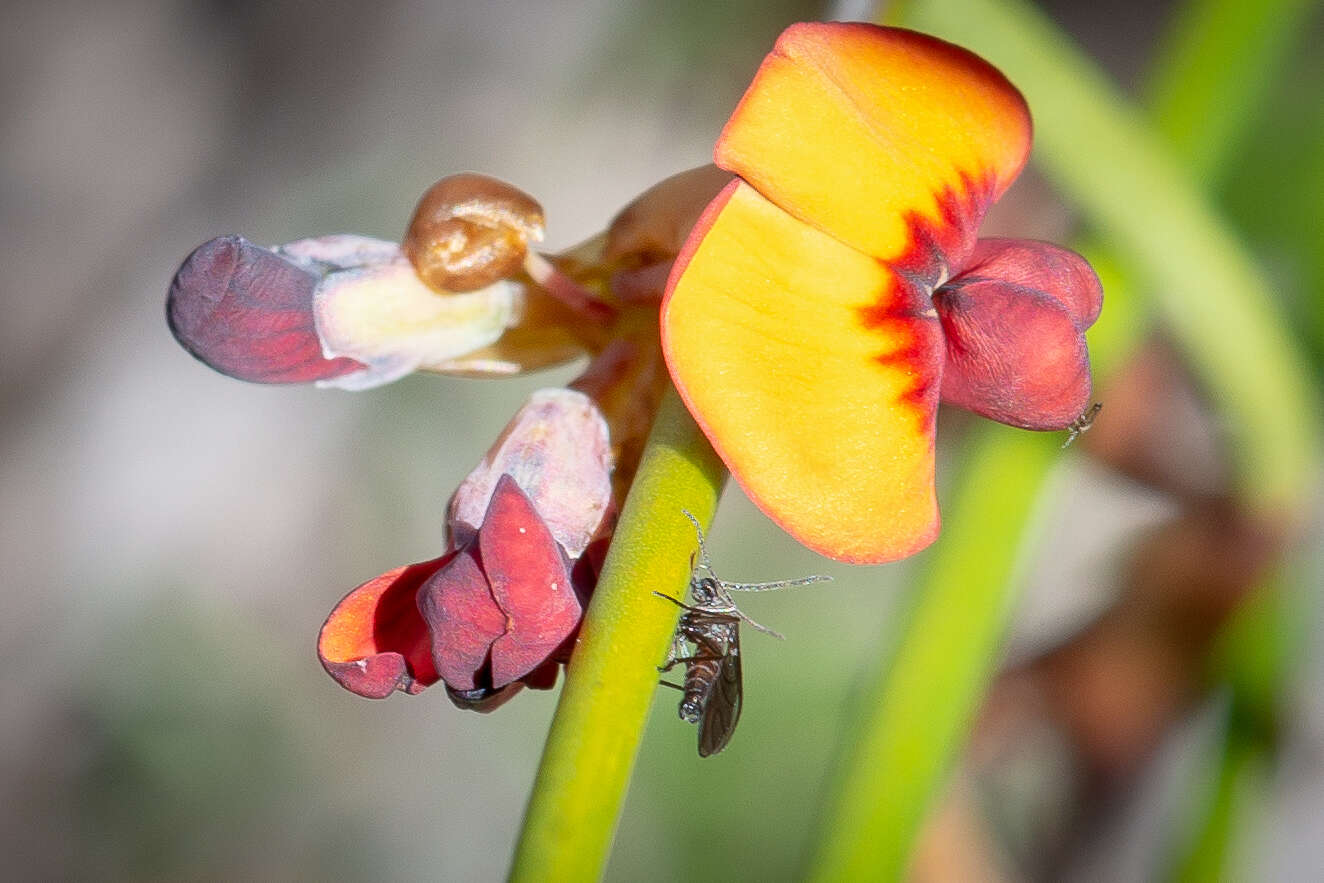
(1217, 308)
(609, 685)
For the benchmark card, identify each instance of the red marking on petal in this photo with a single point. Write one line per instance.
(248, 312)
(530, 581)
(464, 620)
(939, 248)
(906, 318)
(1013, 355)
(375, 642)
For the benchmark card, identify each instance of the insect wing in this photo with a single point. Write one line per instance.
(721, 712)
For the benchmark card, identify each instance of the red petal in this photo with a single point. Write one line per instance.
(1014, 324)
(1050, 269)
(530, 580)
(374, 642)
(464, 620)
(248, 312)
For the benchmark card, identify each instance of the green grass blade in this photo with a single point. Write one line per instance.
(921, 709)
(1214, 66)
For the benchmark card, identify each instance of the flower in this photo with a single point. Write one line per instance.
(498, 609)
(834, 292)
(821, 290)
(463, 294)
(354, 312)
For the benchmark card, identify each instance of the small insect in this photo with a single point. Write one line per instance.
(713, 687)
(1082, 423)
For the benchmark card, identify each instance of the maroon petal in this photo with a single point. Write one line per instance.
(530, 580)
(464, 620)
(1014, 323)
(1040, 266)
(375, 642)
(248, 312)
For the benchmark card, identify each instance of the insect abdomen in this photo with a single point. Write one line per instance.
(700, 675)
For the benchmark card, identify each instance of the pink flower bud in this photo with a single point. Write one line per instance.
(558, 451)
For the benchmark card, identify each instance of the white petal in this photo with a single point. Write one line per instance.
(384, 316)
(340, 251)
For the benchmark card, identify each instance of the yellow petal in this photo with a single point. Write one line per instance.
(813, 369)
(862, 131)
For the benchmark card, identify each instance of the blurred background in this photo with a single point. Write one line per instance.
(172, 539)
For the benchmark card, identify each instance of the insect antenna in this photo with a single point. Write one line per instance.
(704, 561)
(777, 584)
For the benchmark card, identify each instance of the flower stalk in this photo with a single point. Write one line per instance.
(609, 685)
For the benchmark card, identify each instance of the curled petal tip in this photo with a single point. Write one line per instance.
(470, 231)
(375, 642)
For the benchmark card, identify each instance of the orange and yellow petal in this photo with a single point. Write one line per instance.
(868, 132)
(798, 324)
(814, 370)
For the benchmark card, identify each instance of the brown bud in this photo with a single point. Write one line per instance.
(470, 231)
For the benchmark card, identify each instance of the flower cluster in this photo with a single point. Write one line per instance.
(813, 297)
